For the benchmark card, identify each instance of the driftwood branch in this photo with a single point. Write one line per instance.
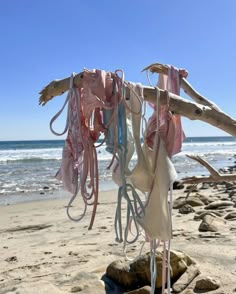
(215, 176)
(202, 109)
(185, 85)
(58, 87)
(205, 111)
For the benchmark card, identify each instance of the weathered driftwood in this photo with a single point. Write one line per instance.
(205, 111)
(185, 85)
(202, 109)
(215, 176)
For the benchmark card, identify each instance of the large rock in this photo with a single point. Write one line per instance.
(207, 284)
(193, 201)
(200, 214)
(231, 215)
(212, 223)
(185, 209)
(219, 204)
(132, 275)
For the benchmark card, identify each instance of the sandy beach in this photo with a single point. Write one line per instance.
(42, 251)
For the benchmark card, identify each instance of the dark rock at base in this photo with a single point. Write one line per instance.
(133, 275)
(207, 284)
(142, 290)
(121, 273)
(111, 287)
(185, 209)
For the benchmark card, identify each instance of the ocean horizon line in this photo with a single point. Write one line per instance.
(44, 140)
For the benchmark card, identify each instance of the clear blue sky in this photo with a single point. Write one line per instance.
(49, 39)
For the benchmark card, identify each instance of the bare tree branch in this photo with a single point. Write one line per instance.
(178, 105)
(215, 176)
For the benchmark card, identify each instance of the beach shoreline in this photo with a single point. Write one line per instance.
(41, 249)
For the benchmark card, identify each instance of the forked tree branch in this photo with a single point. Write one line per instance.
(205, 111)
(215, 176)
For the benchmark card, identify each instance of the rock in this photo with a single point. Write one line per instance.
(211, 223)
(207, 284)
(210, 235)
(205, 199)
(185, 209)
(142, 290)
(231, 215)
(111, 287)
(120, 272)
(179, 202)
(193, 201)
(132, 275)
(178, 185)
(232, 193)
(219, 204)
(186, 278)
(198, 216)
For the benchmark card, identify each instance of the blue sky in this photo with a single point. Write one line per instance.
(50, 39)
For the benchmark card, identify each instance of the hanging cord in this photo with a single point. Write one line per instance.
(168, 268)
(153, 265)
(68, 98)
(78, 155)
(71, 94)
(90, 166)
(156, 145)
(144, 120)
(169, 243)
(132, 208)
(148, 77)
(163, 268)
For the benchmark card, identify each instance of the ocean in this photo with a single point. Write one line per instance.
(30, 166)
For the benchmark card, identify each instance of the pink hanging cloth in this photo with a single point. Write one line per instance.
(170, 129)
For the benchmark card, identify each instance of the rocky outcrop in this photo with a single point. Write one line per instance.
(133, 275)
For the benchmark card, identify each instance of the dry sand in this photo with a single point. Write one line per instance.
(42, 251)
